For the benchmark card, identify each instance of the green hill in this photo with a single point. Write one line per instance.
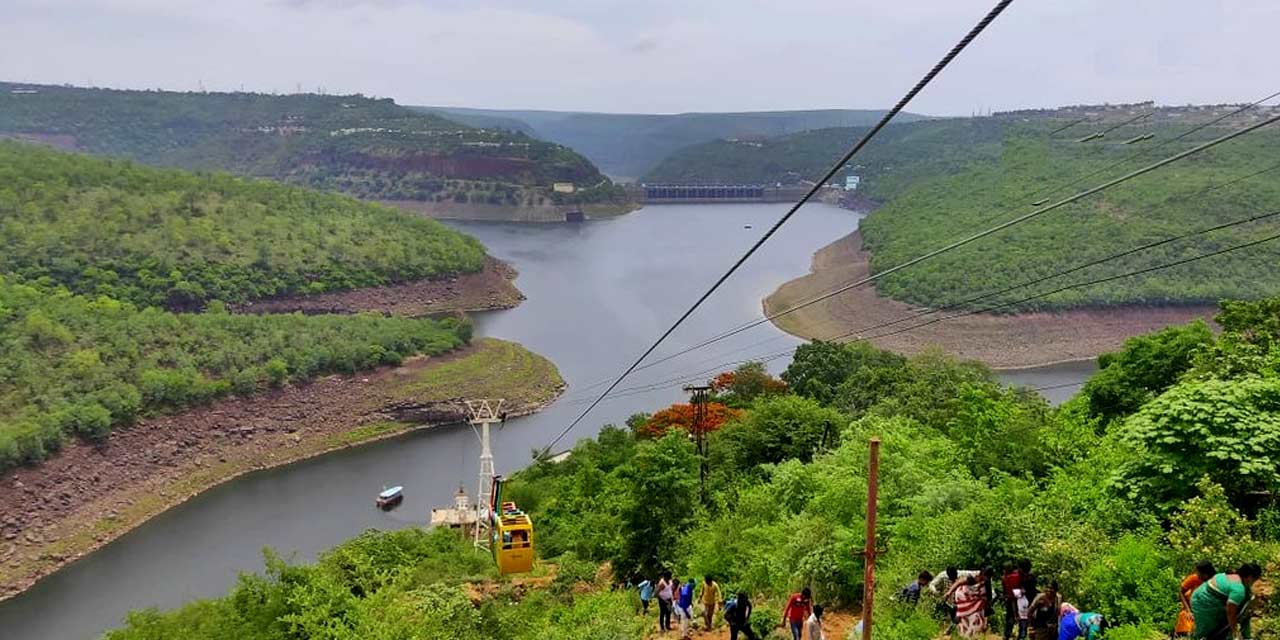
(82, 366)
(629, 145)
(901, 153)
(168, 237)
(942, 180)
(371, 148)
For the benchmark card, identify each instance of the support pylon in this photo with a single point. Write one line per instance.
(483, 414)
(699, 402)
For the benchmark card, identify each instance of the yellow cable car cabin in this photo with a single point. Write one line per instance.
(512, 535)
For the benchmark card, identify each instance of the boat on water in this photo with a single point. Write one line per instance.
(390, 497)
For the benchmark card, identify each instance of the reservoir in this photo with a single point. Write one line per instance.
(598, 294)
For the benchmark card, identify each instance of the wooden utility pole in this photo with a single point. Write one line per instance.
(869, 578)
(699, 402)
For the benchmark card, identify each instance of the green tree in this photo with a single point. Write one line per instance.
(1228, 431)
(776, 429)
(819, 368)
(1143, 368)
(659, 498)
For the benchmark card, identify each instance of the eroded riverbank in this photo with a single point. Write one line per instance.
(1001, 341)
(86, 496)
(489, 289)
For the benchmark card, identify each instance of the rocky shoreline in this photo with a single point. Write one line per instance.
(56, 512)
(1001, 341)
(546, 213)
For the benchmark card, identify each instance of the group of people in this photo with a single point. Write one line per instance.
(676, 600)
(1215, 606)
(1218, 606)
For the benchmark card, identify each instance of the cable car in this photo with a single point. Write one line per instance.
(512, 541)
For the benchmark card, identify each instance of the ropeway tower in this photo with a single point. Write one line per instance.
(483, 414)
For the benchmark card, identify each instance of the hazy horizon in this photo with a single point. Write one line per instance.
(661, 58)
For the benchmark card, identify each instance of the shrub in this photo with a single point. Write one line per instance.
(1131, 584)
(277, 371)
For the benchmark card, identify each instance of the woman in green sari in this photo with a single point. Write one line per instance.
(1218, 603)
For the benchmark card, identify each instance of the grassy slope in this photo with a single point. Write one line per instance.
(943, 180)
(366, 147)
(500, 369)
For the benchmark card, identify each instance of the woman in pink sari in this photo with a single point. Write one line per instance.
(971, 617)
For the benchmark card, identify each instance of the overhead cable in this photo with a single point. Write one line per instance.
(884, 121)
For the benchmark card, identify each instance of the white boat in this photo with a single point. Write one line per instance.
(390, 497)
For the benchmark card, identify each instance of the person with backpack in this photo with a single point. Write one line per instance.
(737, 614)
(799, 607)
(684, 607)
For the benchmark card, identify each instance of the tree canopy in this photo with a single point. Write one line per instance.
(179, 239)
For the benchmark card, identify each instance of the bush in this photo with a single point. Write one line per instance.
(277, 371)
(1131, 585)
(89, 420)
(1206, 527)
(900, 622)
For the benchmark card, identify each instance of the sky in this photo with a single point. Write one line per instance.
(655, 56)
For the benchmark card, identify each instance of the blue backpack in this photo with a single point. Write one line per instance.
(730, 605)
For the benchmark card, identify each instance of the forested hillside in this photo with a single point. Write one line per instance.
(167, 237)
(1232, 182)
(82, 366)
(632, 144)
(1168, 457)
(940, 181)
(371, 148)
(901, 153)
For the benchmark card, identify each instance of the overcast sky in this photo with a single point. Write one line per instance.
(656, 55)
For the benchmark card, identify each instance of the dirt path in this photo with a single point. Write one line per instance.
(1024, 340)
(491, 288)
(836, 625)
(87, 495)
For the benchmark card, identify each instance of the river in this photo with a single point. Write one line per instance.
(598, 292)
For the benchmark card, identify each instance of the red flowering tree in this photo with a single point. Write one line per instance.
(683, 416)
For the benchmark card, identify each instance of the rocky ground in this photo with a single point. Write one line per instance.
(88, 494)
(1001, 341)
(491, 288)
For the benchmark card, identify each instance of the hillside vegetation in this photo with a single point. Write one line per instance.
(82, 366)
(901, 153)
(940, 181)
(630, 145)
(371, 148)
(1167, 457)
(166, 237)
